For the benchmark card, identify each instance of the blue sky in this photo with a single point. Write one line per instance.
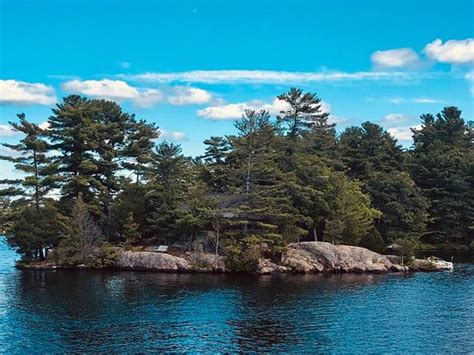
(193, 66)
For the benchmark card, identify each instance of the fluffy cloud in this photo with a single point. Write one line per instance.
(395, 58)
(261, 76)
(185, 95)
(44, 125)
(6, 131)
(175, 136)
(394, 117)
(4, 151)
(233, 111)
(114, 90)
(22, 93)
(224, 112)
(403, 134)
(453, 52)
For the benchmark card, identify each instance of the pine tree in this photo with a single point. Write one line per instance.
(304, 113)
(443, 165)
(131, 232)
(73, 133)
(139, 148)
(374, 157)
(263, 210)
(83, 236)
(169, 176)
(214, 170)
(33, 160)
(350, 216)
(31, 223)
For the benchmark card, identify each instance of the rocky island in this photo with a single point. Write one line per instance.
(280, 194)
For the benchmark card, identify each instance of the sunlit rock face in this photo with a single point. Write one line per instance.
(189, 262)
(326, 257)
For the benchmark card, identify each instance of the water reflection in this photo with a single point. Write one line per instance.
(65, 311)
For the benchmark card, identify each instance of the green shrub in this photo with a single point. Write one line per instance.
(373, 241)
(68, 253)
(102, 257)
(408, 246)
(242, 256)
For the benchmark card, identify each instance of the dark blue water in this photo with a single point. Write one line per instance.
(61, 311)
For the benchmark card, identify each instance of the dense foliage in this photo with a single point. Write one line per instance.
(95, 178)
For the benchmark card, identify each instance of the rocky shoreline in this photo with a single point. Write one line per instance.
(305, 257)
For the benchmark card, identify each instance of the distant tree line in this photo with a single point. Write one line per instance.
(96, 176)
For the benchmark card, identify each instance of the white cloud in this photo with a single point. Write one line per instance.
(395, 58)
(172, 135)
(15, 92)
(7, 131)
(44, 125)
(394, 117)
(426, 100)
(261, 76)
(453, 51)
(9, 152)
(186, 95)
(114, 90)
(403, 134)
(224, 112)
(233, 111)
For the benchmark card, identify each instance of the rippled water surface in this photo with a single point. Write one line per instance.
(61, 311)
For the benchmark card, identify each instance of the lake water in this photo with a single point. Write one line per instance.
(66, 311)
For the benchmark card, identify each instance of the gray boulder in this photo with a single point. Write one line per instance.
(309, 257)
(189, 262)
(266, 266)
(145, 260)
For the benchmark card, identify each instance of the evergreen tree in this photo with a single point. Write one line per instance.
(139, 148)
(373, 157)
(31, 223)
(82, 236)
(351, 216)
(263, 211)
(304, 113)
(443, 165)
(73, 133)
(131, 231)
(40, 174)
(33, 232)
(214, 170)
(370, 148)
(169, 176)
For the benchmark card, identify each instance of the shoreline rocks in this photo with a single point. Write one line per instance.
(308, 257)
(304, 257)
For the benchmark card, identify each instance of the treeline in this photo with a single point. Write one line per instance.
(96, 176)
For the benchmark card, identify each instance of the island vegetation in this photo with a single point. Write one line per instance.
(97, 178)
